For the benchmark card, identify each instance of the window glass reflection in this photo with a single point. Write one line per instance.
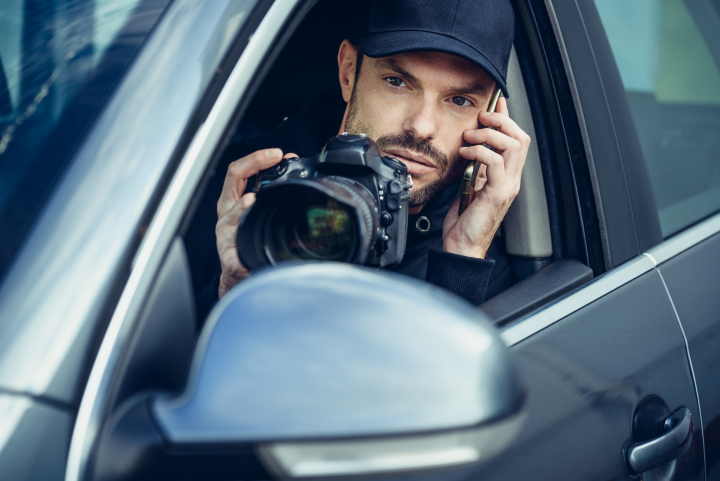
(668, 54)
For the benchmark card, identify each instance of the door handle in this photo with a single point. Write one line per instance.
(642, 457)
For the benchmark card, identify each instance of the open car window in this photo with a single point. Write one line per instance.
(294, 77)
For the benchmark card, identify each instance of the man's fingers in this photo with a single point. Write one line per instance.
(481, 178)
(232, 216)
(502, 122)
(254, 163)
(494, 163)
(501, 106)
(452, 216)
(290, 156)
(238, 173)
(248, 200)
(493, 138)
(505, 125)
(231, 206)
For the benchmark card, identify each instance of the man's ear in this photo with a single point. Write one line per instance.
(347, 56)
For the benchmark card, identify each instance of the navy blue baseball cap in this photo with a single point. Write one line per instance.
(480, 31)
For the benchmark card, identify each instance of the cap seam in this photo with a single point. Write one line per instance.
(378, 14)
(457, 7)
(436, 33)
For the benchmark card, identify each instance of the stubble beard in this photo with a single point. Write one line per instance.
(448, 170)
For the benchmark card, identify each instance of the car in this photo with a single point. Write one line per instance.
(600, 362)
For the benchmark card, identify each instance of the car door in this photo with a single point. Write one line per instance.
(588, 360)
(668, 55)
(152, 329)
(59, 61)
(599, 356)
(91, 128)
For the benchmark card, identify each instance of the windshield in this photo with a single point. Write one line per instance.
(59, 60)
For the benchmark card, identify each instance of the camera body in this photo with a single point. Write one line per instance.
(369, 192)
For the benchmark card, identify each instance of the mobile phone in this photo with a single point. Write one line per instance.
(470, 176)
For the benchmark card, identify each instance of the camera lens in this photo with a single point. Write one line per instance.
(314, 227)
(327, 219)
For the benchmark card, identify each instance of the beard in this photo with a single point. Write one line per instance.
(448, 169)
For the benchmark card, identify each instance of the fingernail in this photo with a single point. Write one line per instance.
(469, 131)
(272, 153)
(463, 148)
(487, 113)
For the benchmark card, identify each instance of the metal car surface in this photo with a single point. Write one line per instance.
(646, 325)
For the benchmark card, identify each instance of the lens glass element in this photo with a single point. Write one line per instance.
(315, 227)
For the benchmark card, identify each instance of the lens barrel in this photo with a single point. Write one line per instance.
(322, 219)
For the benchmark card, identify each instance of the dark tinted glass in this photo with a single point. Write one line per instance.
(59, 60)
(668, 53)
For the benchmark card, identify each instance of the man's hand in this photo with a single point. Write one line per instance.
(498, 183)
(230, 208)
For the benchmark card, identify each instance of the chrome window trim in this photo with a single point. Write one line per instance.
(576, 300)
(159, 236)
(685, 240)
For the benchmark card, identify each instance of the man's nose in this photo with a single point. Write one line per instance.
(422, 121)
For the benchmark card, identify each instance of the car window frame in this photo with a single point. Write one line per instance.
(612, 135)
(621, 182)
(569, 116)
(655, 251)
(273, 26)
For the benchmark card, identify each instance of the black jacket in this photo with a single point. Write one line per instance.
(305, 134)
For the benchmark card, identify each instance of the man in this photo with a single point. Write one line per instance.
(418, 81)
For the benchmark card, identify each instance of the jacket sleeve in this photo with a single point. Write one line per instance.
(466, 277)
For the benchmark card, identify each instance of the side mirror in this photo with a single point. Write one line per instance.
(327, 370)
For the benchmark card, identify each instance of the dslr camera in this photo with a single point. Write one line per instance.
(347, 204)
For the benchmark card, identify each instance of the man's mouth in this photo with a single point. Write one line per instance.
(415, 163)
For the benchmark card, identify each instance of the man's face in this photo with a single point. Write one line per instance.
(416, 106)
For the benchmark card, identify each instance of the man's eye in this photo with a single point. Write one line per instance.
(461, 101)
(395, 82)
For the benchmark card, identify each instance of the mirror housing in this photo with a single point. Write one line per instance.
(331, 369)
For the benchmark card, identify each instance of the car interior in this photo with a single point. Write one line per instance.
(540, 239)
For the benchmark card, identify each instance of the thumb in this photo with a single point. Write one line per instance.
(452, 216)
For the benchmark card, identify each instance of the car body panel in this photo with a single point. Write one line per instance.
(585, 374)
(693, 281)
(54, 296)
(585, 369)
(34, 438)
(160, 236)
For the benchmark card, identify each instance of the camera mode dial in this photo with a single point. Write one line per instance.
(277, 170)
(393, 163)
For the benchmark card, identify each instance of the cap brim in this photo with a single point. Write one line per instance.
(385, 44)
